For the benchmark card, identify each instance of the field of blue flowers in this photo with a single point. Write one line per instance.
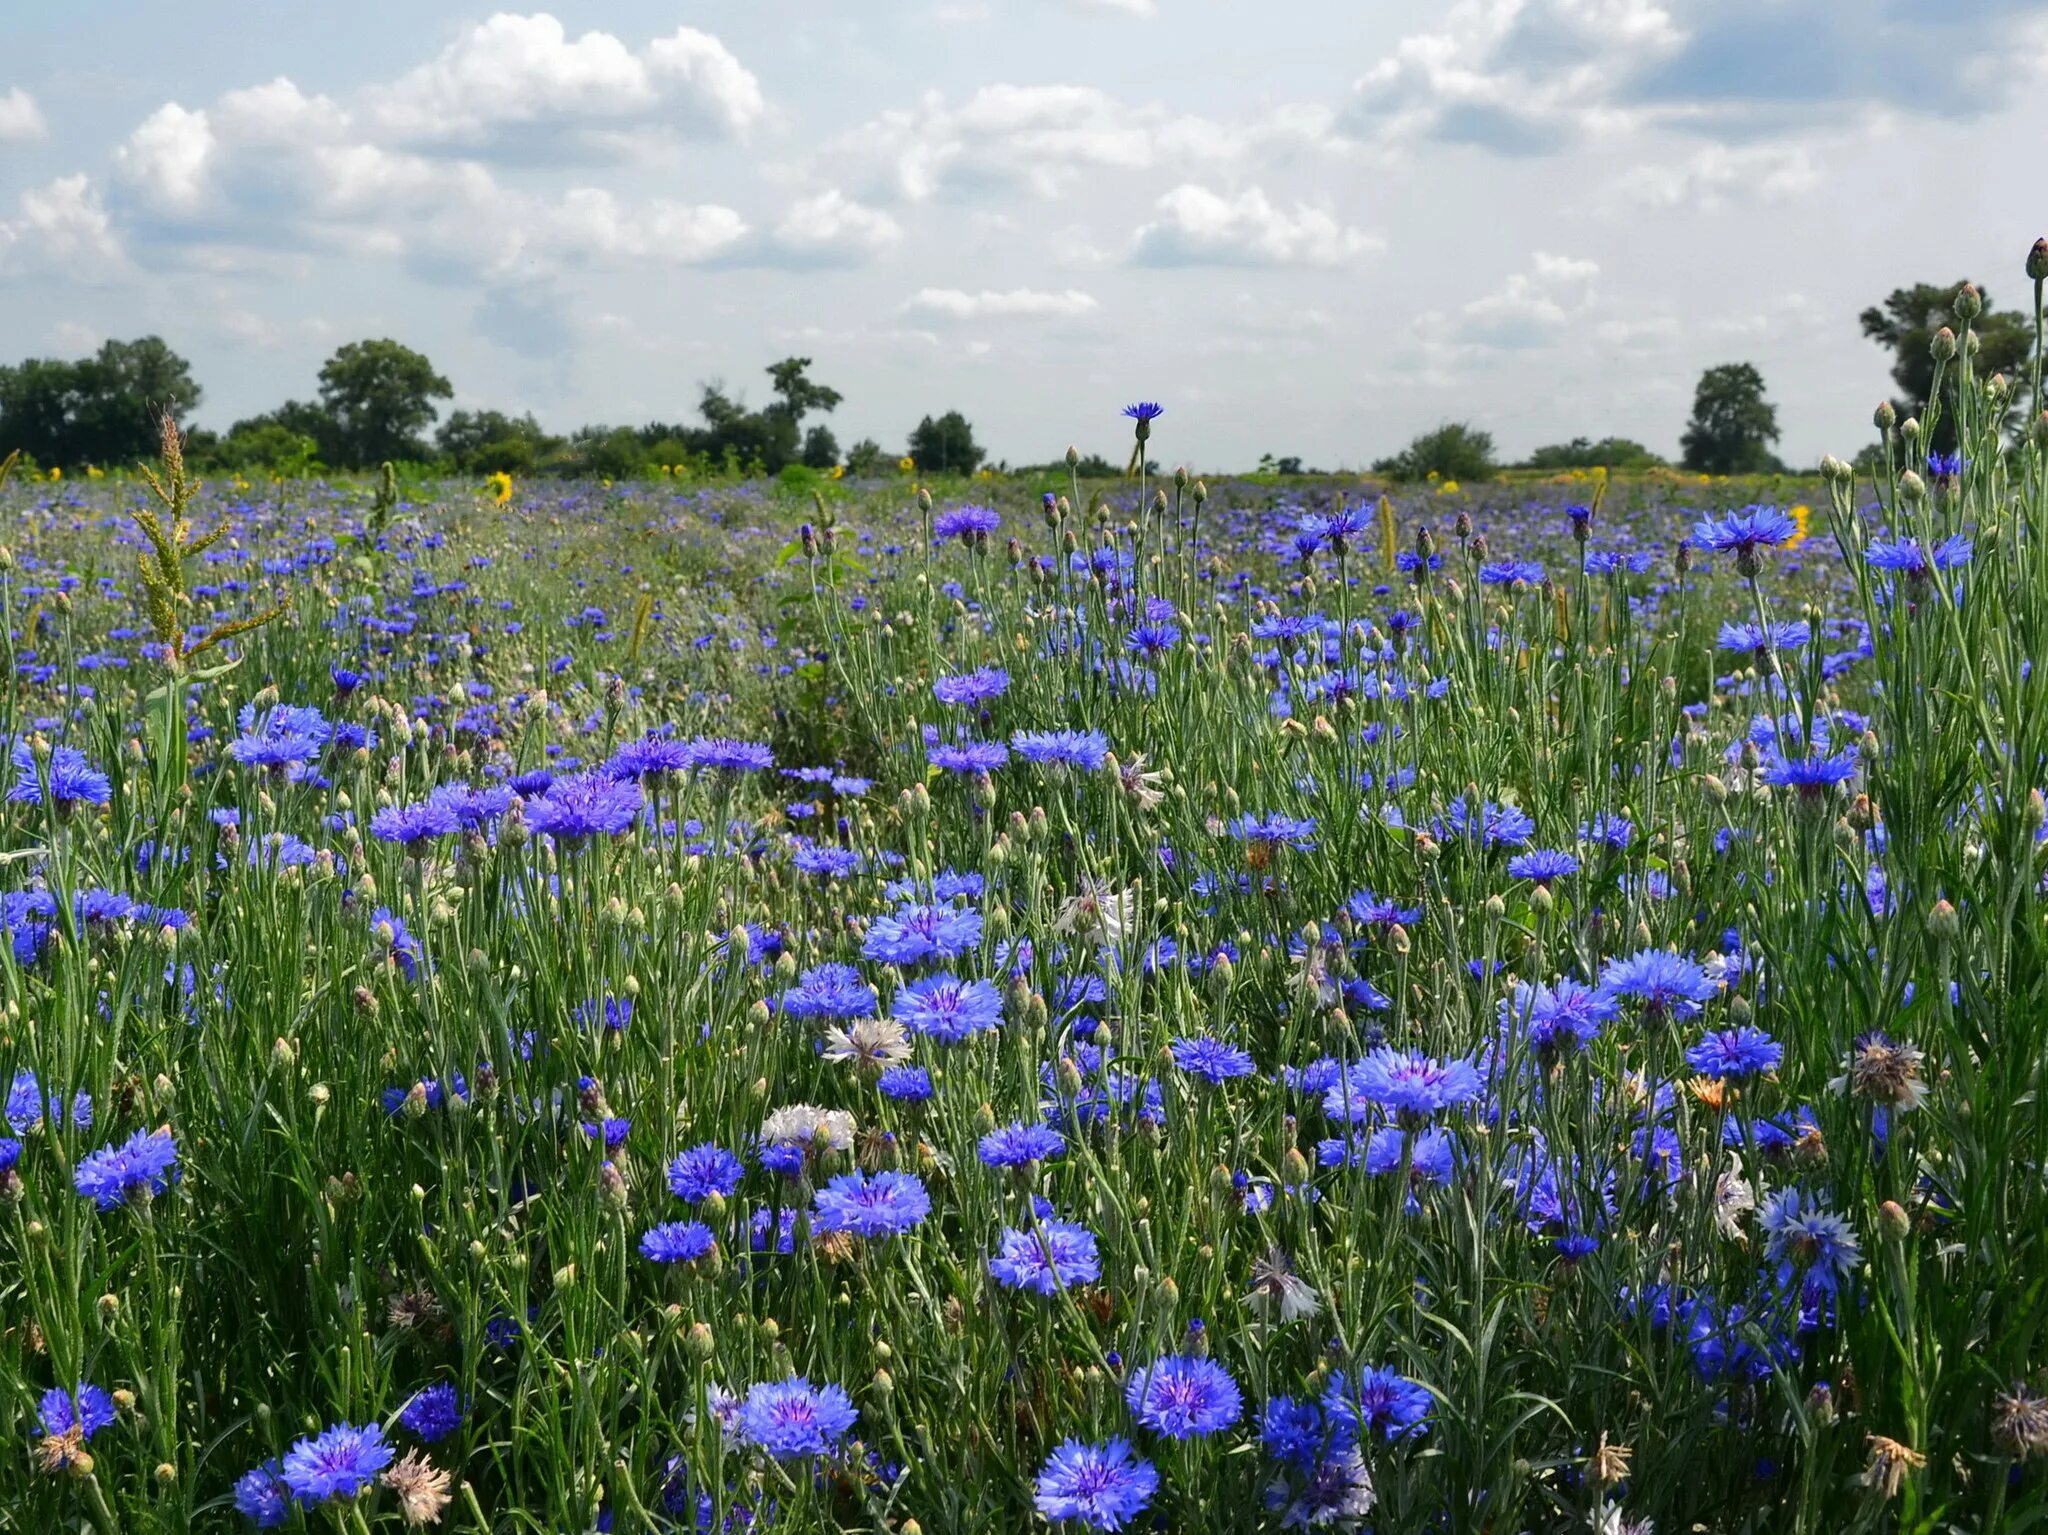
(1126, 1006)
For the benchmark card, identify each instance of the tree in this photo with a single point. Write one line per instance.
(1607, 453)
(1455, 450)
(821, 448)
(1906, 322)
(1733, 425)
(102, 409)
(265, 446)
(489, 441)
(381, 397)
(864, 457)
(945, 446)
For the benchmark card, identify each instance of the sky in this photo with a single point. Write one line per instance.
(1308, 227)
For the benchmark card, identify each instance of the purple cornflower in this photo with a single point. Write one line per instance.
(281, 737)
(1100, 1486)
(1560, 1018)
(650, 759)
(1184, 1395)
(947, 1008)
(585, 806)
(917, 932)
(789, 1418)
(885, 1205)
(1757, 639)
(1378, 1398)
(1743, 1051)
(831, 990)
(967, 757)
(1802, 1236)
(340, 1462)
(261, 1496)
(723, 754)
(1269, 831)
(677, 1242)
(1056, 1255)
(1410, 1084)
(138, 1168)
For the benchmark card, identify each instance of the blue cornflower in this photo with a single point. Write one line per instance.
(966, 523)
(1046, 1260)
(788, 1418)
(1145, 410)
(73, 780)
(975, 687)
(1100, 1486)
(1412, 1085)
(1494, 825)
(1915, 558)
(885, 1205)
(1560, 1018)
(826, 862)
(695, 1175)
(340, 1462)
(1292, 1431)
(651, 759)
(1662, 981)
(830, 990)
(677, 1242)
(1081, 750)
(917, 932)
(1508, 572)
(906, 1084)
(401, 947)
(414, 826)
(967, 757)
(1337, 527)
(1758, 639)
(1543, 865)
(1743, 1051)
(948, 1009)
(1152, 639)
(1018, 1145)
(69, 1418)
(435, 1413)
(1803, 1237)
(1810, 777)
(1369, 910)
(1211, 1059)
(281, 737)
(587, 805)
(1378, 1398)
(1267, 831)
(1743, 533)
(261, 1496)
(139, 1168)
(723, 754)
(1184, 1395)
(1613, 831)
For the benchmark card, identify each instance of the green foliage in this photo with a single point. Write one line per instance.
(865, 457)
(1582, 453)
(945, 445)
(379, 396)
(821, 448)
(102, 410)
(1455, 450)
(1733, 425)
(1905, 325)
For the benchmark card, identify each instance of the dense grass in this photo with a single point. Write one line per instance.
(1618, 1259)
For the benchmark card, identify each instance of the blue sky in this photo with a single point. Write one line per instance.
(1310, 227)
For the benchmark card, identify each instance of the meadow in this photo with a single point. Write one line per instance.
(1136, 1004)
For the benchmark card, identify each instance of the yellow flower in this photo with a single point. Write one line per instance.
(500, 486)
(839, 471)
(1447, 488)
(1432, 476)
(1799, 515)
(56, 473)
(94, 472)
(907, 465)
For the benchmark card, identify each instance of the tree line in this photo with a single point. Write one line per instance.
(378, 401)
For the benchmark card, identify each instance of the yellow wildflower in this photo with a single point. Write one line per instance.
(500, 486)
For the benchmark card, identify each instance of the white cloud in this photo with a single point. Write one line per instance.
(1717, 176)
(1017, 304)
(1144, 8)
(831, 229)
(1198, 227)
(61, 229)
(506, 78)
(21, 120)
(1531, 307)
(590, 223)
(1043, 138)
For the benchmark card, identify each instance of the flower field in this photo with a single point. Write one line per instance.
(1126, 1005)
